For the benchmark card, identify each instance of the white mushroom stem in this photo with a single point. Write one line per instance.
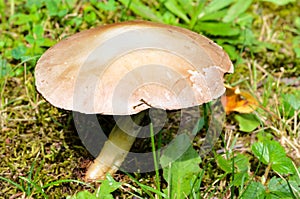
(116, 148)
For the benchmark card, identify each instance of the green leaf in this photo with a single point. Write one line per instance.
(247, 122)
(181, 174)
(90, 17)
(290, 103)
(296, 177)
(297, 23)
(62, 13)
(175, 149)
(240, 178)
(77, 21)
(20, 18)
(198, 126)
(107, 6)
(293, 100)
(245, 19)
(261, 152)
(194, 10)
(271, 152)
(276, 151)
(38, 30)
(169, 18)
(232, 52)
(48, 42)
(242, 163)
(216, 5)
(33, 4)
(241, 167)
(30, 39)
(279, 187)
(85, 195)
(217, 16)
(5, 68)
(224, 164)
(108, 186)
(188, 6)
(297, 52)
(106, 196)
(173, 6)
(52, 6)
(283, 165)
(248, 38)
(254, 190)
(18, 52)
(264, 150)
(236, 9)
(140, 9)
(280, 2)
(217, 29)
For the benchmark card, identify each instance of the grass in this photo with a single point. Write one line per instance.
(42, 155)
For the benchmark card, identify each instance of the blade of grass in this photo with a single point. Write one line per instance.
(133, 194)
(31, 173)
(216, 5)
(169, 180)
(156, 166)
(140, 9)
(290, 188)
(172, 5)
(196, 14)
(123, 13)
(232, 178)
(236, 9)
(13, 183)
(206, 111)
(197, 181)
(38, 170)
(37, 187)
(134, 189)
(146, 188)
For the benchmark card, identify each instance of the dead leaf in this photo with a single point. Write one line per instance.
(239, 101)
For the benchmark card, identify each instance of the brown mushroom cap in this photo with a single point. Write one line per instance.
(124, 68)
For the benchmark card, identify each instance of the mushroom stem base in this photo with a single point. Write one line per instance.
(116, 148)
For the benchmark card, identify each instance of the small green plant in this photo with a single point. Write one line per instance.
(247, 122)
(237, 168)
(290, 111)
(273, 155)
(104, 191)
(181, 171)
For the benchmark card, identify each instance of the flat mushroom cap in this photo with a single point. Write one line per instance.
(127, 67)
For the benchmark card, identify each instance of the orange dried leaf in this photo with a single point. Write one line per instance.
(239, 101)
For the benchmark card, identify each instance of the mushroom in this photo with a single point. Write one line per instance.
(126, 68)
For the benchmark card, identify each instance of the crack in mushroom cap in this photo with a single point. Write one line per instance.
(124, 68)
